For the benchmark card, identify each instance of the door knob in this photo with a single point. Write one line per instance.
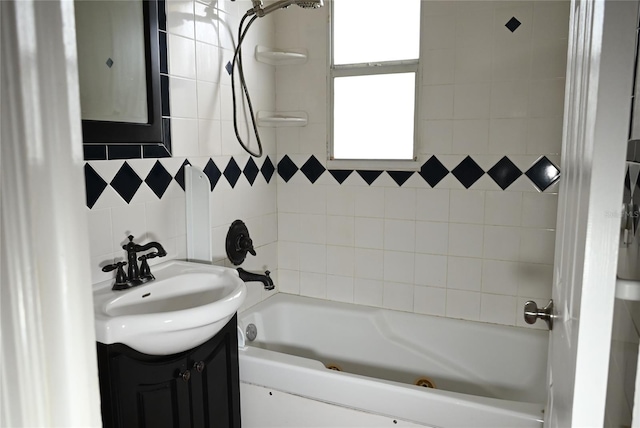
(532, 313)
(185, 375)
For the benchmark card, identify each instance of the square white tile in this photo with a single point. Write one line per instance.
(368, 292)
(503, 208)
(340, 260)
(398, 267)
(313, 285)
(432, 204)
(501, 277)
(369, 232)
(466, 240)
(398, 296)
(467, 206)
(498, 309)
(501, 243)
(432, 237)
(399, 235)
(429, 300)
(340, 230)
(463, 305)
(430, 270)
(369, 263)
(464, 273)
(340, 288)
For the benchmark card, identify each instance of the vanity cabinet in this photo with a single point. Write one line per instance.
(195, 388)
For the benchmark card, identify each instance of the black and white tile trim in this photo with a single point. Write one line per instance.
(542, 173)
(127, 180)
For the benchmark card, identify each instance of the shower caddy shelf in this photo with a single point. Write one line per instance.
(275, 56)
(273, 119)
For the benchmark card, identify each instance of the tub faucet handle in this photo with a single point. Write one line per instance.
(245, 243)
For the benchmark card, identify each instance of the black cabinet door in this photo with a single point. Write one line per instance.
(152, 394)
(215, 382)
(199, 388)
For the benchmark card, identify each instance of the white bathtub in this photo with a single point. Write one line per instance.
(486, 375)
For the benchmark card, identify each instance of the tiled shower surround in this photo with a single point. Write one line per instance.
(470, 234)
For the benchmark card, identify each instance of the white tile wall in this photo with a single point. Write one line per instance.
(475, 253)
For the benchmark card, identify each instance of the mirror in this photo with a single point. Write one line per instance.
(124, 97)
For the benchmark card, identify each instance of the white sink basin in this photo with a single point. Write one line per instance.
(187, 304)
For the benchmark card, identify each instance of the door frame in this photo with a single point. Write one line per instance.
(596, 124)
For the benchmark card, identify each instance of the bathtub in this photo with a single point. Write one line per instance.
(485, 375)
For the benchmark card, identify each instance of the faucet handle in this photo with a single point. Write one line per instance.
(149, 256)
(121, 277)
(145, 271)
(246, 244)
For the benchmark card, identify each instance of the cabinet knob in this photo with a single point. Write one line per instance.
(199, 366)
(185, 375)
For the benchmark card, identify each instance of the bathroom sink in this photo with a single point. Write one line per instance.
(187, 304)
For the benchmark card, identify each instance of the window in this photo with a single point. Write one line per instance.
(375, 47)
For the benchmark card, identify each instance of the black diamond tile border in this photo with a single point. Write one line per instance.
(213, 172)
(433, 171)
(267, 169)
(369, 176)
(179, 177)
(312, 169)
(513, 24)
(94, 185)
(467, 172)
(504, 173)
(158, 179)
(340, 175)
(543, 173)
(126, 182)
(400, 177)
(232, 172)
(251, 171)
(286, 168)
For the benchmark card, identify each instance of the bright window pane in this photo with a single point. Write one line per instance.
(375, 30)
(373, 116)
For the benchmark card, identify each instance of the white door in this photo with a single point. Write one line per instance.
(597, 109)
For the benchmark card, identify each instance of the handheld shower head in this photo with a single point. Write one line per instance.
(282, 4)
(257, 11)
(313, 4)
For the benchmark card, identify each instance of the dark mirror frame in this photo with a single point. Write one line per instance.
(120, 140)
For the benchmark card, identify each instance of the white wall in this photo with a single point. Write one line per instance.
(476, 253)
(200, 45)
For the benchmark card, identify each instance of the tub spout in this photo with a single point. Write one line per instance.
(249, 276)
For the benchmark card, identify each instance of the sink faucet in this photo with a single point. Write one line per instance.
(249, 276)
(135, 275)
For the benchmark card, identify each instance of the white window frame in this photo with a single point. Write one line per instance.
(368, 69)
